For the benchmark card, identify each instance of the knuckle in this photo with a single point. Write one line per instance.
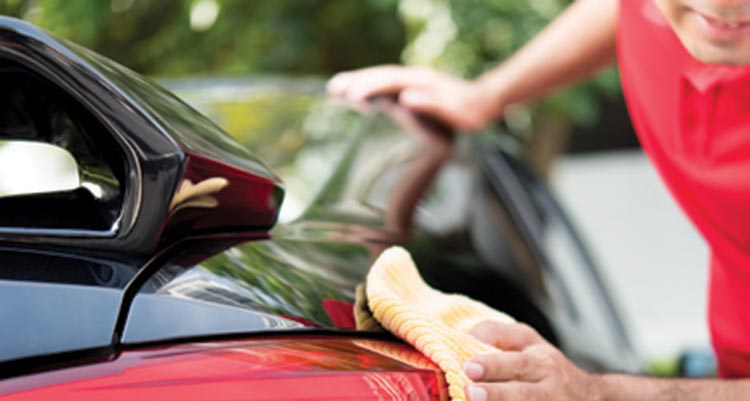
(547, 363)
(508, 392)
(525, 328)
(497, 367)
(525, 393)
(526, 366)
(496, 392)
(527, 332)
(493, 365)
(483, 329)
(536, 350)
(534, 366)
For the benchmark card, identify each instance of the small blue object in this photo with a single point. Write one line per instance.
(698, 363)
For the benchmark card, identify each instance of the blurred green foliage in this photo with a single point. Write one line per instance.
(176, 38)
(468, 37)
(182, 37)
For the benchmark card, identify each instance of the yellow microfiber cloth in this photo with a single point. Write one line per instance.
(433, 322)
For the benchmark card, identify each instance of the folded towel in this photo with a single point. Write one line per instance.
(362, 313)
(433, 322)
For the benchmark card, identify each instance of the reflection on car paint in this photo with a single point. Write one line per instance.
(304, 367)
(223, 198)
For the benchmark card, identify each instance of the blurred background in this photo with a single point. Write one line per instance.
(580, 139)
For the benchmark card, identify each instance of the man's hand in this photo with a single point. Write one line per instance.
(462, 105)
(529, 369)
(574, 46)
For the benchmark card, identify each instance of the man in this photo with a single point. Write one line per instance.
(684, 67)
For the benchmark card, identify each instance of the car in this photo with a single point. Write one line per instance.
(145, 253)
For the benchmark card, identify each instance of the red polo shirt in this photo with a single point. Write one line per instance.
(693, 121)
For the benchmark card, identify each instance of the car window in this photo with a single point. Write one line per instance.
(56, 169)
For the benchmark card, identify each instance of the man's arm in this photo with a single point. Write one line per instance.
(622, 388)
(530, 369)
(574, 46)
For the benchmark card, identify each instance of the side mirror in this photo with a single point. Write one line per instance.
(28, 167)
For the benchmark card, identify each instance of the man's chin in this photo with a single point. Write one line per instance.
(710, 53)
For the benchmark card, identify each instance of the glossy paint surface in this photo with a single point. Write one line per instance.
(493, 233)
(44, 318)
(178, 122)
(155, 317)
(290, 279)
(304, 368)
(214, 196)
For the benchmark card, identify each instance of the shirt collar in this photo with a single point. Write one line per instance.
(705, 77)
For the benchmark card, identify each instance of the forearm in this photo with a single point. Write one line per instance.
(632, 388)
(574, 46)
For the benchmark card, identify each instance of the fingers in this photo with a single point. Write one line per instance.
(497, 392)
(503, 376)
(368, 82)
(506, 336)
(455, 102)
(534, 370)
(505, 366)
